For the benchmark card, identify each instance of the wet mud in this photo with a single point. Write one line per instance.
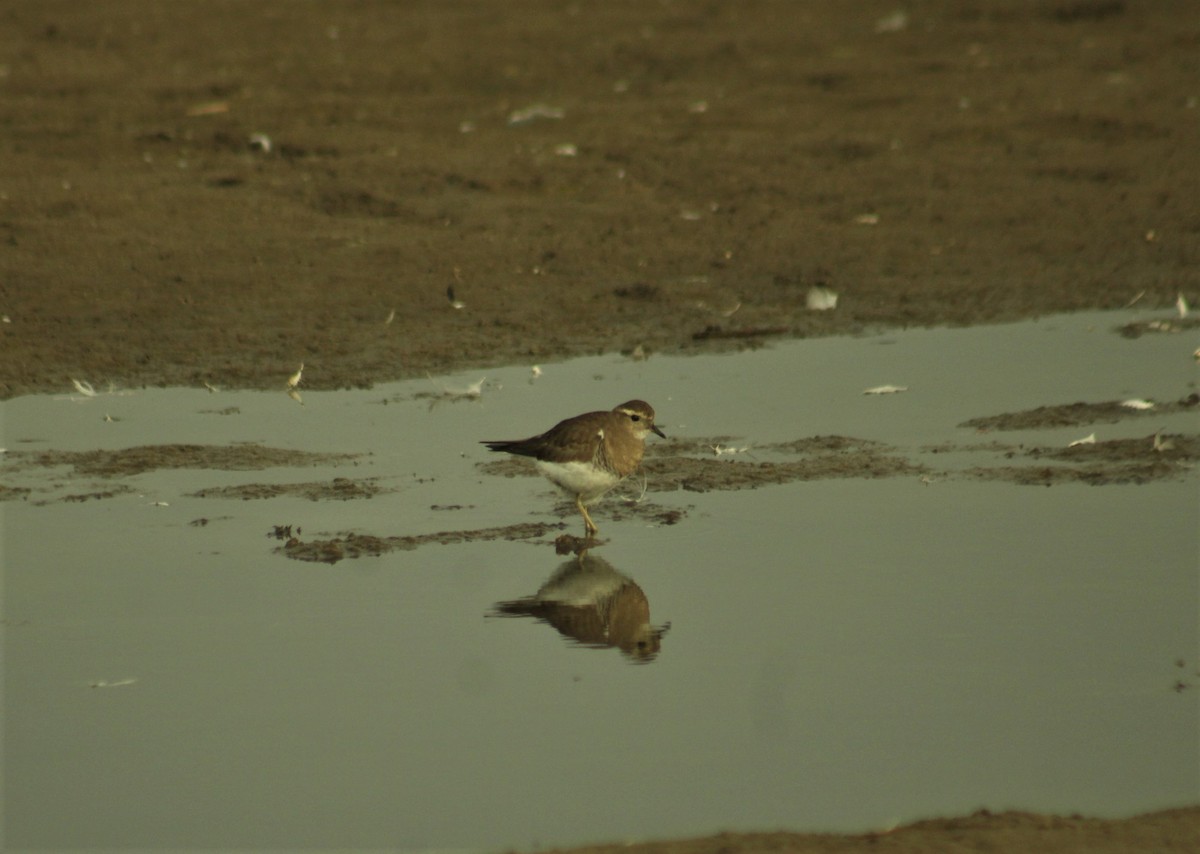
(1157, 457)
(1075, 414)
(101, 467)
(669, 468)
(338, 489)
(1165, 831)
(190, 198)
(353, 545)
(78, 497)
(133, 461)
(707, 464)
(719, 464)
(693, 465)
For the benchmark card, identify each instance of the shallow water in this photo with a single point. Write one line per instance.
(841, 654)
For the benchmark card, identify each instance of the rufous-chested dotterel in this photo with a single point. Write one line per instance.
(589, 454)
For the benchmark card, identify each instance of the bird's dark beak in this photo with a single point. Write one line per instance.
(660, 433)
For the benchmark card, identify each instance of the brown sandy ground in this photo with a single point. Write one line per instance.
(943, 161)
(964, 161)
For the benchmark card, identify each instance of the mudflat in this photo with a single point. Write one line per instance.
(215, 192)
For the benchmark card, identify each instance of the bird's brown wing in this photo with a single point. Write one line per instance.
(562, 442)
(563, 449)
(559, 444)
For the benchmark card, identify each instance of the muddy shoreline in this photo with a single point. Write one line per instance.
(191, 196)
(209, 193)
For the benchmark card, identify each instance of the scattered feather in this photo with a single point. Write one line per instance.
(1135, 299)
(474, 391)
(821, 299)
(1137, 403)
(892, 23)
(885, 389)
(1160, 444)
(119, 683)
(294, 379)
(84, 387)
(208, 108)
(1086, 440)
(534, 112)
(721, 450)
(1181, 306)
(629, 499)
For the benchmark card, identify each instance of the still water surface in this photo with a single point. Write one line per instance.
(841, 655)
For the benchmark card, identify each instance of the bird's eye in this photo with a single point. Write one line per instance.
(636, 417)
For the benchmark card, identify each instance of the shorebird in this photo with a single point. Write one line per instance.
(589, 454)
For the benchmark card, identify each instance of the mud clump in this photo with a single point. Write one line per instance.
(1158, 457)
(352, 545)
(824, 457)
(144, 458)
(338, 489)
(1075, 414)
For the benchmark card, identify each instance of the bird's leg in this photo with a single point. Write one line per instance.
(588, 524)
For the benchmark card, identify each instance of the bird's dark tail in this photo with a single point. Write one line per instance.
(521, 447)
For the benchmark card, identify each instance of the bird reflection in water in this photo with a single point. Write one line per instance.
(592, 604)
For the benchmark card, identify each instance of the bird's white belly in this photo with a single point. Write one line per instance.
(582, 479)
